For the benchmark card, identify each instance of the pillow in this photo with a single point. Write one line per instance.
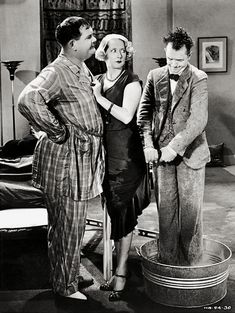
(217, 155)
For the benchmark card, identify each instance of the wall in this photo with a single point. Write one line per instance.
(20, 40)
(149, 23)
(151, 19)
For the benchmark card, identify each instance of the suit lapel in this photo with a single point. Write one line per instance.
(181, 86)
(163, 90)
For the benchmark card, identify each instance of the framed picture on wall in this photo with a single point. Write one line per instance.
(212, 54)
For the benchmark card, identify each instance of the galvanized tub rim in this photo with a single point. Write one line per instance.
(189, 266)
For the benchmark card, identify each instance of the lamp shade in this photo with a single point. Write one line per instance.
(11, 66)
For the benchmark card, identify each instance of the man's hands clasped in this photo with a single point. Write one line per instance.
(152, 155)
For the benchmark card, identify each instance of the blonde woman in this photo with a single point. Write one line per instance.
(118, 93)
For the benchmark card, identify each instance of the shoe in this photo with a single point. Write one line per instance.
(108, 285)
(85, 283)
(117, 295)
(77, 295)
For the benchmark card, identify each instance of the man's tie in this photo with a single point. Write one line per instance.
(174, 76)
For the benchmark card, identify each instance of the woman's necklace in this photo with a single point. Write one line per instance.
(112, 80)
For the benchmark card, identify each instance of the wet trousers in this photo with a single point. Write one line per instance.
(66, 226)
(179, 194)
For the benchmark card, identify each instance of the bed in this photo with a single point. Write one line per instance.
(21, 205)
(23, 226)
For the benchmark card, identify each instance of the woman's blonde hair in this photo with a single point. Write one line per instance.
(100, 53)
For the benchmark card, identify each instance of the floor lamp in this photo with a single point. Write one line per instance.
(12, 66)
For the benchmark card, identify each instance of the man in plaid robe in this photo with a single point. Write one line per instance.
(68, 159)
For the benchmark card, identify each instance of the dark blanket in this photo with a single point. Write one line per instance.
(18, 148)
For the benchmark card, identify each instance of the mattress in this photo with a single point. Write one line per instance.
(16, 190)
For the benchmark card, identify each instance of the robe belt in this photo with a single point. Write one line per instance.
(86, 131)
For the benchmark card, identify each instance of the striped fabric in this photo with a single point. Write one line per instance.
(66, 219)
(69, 158)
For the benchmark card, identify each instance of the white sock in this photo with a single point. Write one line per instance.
(77, 295)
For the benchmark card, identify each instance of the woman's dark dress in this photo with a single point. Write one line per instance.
(126, 188)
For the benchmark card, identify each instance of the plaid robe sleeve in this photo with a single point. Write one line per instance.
(34, 104)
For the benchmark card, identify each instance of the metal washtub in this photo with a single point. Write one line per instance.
(186, 286)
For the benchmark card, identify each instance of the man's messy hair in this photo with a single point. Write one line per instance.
(179, 38)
